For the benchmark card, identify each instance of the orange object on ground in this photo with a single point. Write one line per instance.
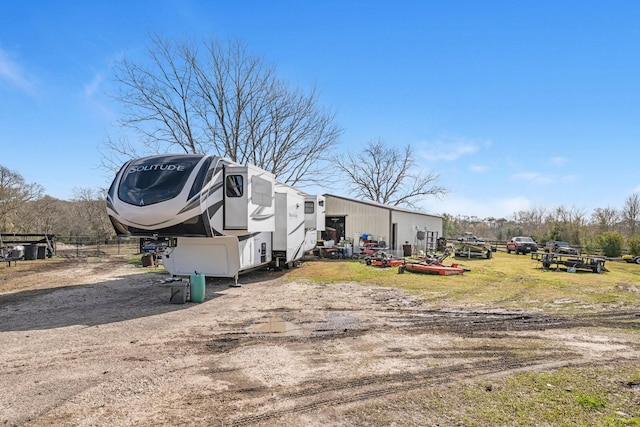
(386, 262)
(418, 267)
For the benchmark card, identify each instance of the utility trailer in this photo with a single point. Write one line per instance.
(33, 245)
(572, 262)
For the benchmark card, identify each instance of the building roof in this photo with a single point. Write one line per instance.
(381, 205)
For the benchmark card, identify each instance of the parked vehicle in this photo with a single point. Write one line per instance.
(470, 245)
(631, 259)
(220, 218)
(522, 245)
(559, 247)
(554, 260)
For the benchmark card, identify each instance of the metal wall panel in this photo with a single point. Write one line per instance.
(410, 223)
(360, 218)
(376, 220)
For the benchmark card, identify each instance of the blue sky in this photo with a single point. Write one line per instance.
(516, 104)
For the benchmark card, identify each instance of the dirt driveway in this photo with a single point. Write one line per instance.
(98, 343)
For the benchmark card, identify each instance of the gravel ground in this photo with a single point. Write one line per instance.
(98, 343)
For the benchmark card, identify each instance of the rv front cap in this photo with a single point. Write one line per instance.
(162, 167)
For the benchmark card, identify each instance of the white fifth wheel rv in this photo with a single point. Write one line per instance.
(221, 218)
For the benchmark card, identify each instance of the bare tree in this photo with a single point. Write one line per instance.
(531, 221)
(14, 193)
(387, 175)
(38, 216)
(605, 219)
(566, 224)
(221, 100)
(67, 223)
(631, 213)
(91, 212)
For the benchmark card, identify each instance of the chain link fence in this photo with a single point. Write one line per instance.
(86, 246)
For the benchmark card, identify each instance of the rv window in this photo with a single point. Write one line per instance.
(234, 186)
(261, 191)
(155, 179)
(308, 207)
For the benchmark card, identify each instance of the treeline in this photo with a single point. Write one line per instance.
(607, 230)
(25, 209)
(85, 215)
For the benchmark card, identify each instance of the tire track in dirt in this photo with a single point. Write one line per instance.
(342, 393)
(472, 323)
(475, 361)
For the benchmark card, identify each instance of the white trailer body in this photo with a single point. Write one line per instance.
(221, 256)
(195, 254)
(288, 238)
(314, 219)
(222, 218)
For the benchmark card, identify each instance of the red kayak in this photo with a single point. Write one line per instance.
(419, 267)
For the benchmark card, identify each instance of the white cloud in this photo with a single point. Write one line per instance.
(534, 177)
(479, 168)
(11, 72)
(482, 208)
(451, 149)
(93, 95)
(91, 88)
(559, 161)
(515, 204)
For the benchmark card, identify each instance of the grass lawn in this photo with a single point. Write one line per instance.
(569, 396)
(506, 281)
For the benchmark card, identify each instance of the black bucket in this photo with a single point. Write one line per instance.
(30, 252)
(406, 250)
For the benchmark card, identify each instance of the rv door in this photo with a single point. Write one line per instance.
(235, 198)
(314, 212)
(249, 199)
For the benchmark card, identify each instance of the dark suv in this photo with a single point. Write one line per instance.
(522, 245)
(560, 248)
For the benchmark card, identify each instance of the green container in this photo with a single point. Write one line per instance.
(198, 287)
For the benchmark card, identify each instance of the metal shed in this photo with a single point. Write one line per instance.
(350, 219)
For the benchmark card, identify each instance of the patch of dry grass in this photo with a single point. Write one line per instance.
(505, 281)
(603, 396)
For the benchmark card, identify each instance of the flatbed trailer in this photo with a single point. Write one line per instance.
(587, 262)
(9, 240)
